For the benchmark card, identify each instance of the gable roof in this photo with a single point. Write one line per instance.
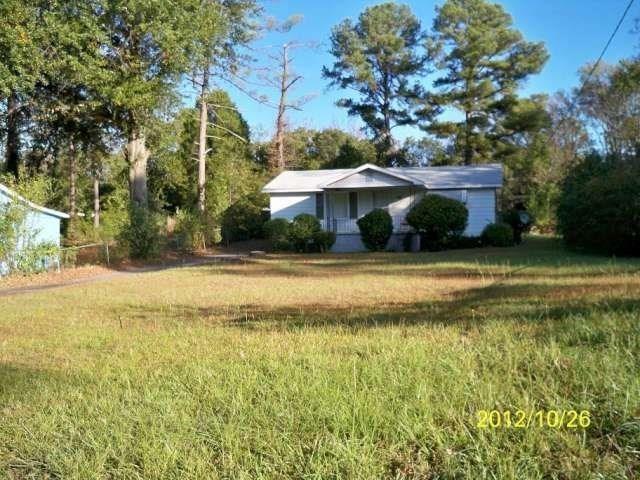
(432, 178)
(15, 196)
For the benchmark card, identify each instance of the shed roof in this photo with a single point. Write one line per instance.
(14, 195)
(433, 178)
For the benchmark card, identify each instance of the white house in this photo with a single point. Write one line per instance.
(41, 225)
(338, 198)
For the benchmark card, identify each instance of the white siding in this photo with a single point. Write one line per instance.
(368, 179)
(482, 210)
(288, 205)
(481, 204)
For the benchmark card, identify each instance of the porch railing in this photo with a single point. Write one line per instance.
(350, 225)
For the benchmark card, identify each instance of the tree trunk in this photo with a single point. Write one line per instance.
(73, 176)
(138, 157)
(202, 142)
(12, 152)
(280, 163)
(468, 151)
(96, 201)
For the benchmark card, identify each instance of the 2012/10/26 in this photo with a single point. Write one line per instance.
(533, 418)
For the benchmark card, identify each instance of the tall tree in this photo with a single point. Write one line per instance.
(610, 100)
(147, 50)
(224, 27)
(485, 59)
(22, 41)
(380, 57)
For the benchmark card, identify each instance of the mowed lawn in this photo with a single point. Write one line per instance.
(325, 366)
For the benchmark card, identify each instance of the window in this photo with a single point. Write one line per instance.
(320, 205)
(353, 204)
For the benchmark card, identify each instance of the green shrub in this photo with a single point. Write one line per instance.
(599, 207)
(195, 230)
(464, 241)
(277, 231)
(376, 228)
(323, 241)
(301, 232)
(438, 219)
(142, 234)
(244, 219)
(519, 220)
(498, 235)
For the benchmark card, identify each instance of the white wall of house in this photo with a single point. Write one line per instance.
(481, 204)
(288, 205)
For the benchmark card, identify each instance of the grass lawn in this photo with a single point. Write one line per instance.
(328, 366)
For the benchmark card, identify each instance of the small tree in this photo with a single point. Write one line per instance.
(376, 228)
(438, 219)
(302, 231)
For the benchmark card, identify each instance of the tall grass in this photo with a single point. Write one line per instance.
(354, 366)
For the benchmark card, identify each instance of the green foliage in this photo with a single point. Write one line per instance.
(302, 230)
(599, 206)
(142, 235)
(380, 56)
(498, 235)
(244, 219)
(324, 240)
(438, 219)
(520, 222)
(484, 60)
(277, 231)
(194, 230)
(376, 228)
(328, 148)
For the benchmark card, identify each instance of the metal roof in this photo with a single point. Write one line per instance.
(13, 195)
(433, 178)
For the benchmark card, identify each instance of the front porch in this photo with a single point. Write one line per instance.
(339, 210)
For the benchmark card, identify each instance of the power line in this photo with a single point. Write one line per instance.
(604, 50)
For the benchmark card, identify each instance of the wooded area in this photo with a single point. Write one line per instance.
(94, 118)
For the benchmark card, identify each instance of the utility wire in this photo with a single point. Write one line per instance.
(604, 50)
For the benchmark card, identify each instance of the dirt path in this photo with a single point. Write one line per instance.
(100, 277)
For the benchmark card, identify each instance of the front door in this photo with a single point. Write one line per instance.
(339, 202)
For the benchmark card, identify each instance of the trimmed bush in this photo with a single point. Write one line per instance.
(301, 232)
(438, 219)
(277, 231)
(464, 241)
(376, 228)
(498, 235)
(599, 208)
(323, 241)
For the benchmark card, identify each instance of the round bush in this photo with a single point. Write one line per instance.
(599, 206)
(301, 231)
(324, 240)
(438, 219)
(376, 228)
(277, 231)
(498, 235)
(243, 220)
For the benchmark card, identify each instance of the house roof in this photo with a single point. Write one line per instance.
(432, 178)
(48, 211)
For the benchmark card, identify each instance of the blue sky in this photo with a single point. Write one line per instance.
(574, 31)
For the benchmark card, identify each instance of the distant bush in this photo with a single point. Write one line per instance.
(599, 206)
(323, 241)
(277, 231)
(438, 219)
(244, 219)
(464, 241)
(195, 230)
(498, 235)
(520, 222)
(376, 228)
(302, 230)
(142, 234)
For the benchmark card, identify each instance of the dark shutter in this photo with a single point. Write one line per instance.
(353, 204)
(320, 205)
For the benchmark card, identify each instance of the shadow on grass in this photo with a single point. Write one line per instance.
(468, 309)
